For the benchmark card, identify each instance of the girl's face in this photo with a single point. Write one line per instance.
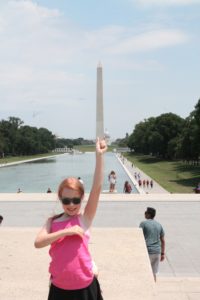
(69, 203)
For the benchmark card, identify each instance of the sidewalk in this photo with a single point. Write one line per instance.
(131, 170)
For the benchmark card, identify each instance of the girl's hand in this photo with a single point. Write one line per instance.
(101, 146)
(75, 230)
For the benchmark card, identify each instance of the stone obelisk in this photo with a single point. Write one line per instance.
(99, 103)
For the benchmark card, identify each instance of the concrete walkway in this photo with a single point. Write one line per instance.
(179, 274)
(131, 170)
(120, 254)
(182, 288)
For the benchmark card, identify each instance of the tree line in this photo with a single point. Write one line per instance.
(168, 136)
(17, 139)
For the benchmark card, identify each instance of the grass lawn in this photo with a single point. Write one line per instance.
(174, 176)
(19, 158)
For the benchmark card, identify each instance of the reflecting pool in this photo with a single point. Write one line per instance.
(38, 176)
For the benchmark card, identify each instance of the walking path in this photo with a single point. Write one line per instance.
(131, 170)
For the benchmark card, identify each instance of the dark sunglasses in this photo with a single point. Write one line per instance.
(68, 201)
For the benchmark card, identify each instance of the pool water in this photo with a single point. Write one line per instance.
(38, 176)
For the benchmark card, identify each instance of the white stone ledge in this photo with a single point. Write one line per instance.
(103, 197)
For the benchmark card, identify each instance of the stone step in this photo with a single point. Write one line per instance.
(123, 262)
(178, 288)
(119, 253)
(121, 257)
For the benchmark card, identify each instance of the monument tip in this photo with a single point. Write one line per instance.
(99, 65)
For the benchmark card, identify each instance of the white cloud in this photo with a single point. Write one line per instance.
(29, 7)
(166, 2)
(149, 41)
(42, 55)
(40, 51)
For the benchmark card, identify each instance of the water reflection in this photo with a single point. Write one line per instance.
(44, 161)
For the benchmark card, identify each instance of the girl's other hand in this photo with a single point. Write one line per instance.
(75, 230)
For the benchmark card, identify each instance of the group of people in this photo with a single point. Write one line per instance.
(49, 189)
(112, 178)
(145, 183)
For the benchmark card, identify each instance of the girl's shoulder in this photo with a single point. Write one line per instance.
(58, 218)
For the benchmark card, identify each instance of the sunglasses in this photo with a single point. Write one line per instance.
(68, 201)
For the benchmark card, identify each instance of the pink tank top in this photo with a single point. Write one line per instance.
(71, 264)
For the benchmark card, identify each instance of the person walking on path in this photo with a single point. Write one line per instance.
(72, 276)
(154, 238)
(151, 183)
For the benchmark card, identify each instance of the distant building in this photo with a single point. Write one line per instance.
(107, 137)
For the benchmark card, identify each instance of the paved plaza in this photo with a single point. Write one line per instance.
(179, 276)
(180, 220)
(117, 219)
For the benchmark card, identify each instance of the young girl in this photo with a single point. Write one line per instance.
(72, 277)
(112, 179)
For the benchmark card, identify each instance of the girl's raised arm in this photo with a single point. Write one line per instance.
(93, 199)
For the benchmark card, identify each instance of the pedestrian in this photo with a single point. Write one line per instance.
(197, 189)
(144, 183)
(151, 183)
(112, 179)
(127, 187)
(140, 182)
(1, 219)
(72, 276)
(147, 183)
(154, 238)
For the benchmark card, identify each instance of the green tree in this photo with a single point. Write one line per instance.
(139, 139)
(169, 126)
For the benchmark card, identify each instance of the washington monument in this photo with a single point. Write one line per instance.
(99, 103)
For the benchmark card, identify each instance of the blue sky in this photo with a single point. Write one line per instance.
(49, 52)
